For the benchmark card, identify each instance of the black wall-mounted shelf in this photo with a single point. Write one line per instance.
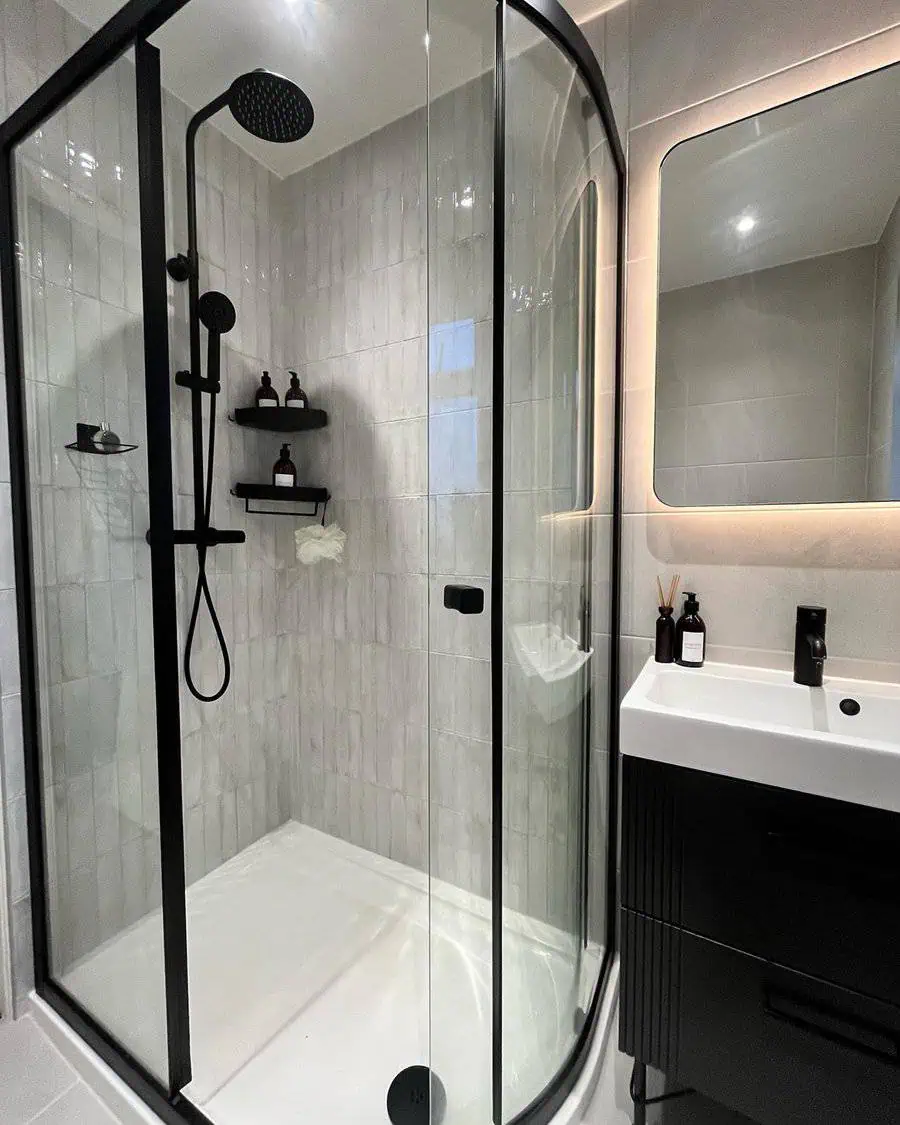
(280, 495)
(281, 419)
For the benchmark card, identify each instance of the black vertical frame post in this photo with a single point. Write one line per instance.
(162, 558)
(497, 533)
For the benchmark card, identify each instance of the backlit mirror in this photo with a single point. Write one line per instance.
(778, 352)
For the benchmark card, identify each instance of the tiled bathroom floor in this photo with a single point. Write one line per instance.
(37, 1085)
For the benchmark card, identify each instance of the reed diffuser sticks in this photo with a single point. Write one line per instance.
(667, 602)
(665, 626)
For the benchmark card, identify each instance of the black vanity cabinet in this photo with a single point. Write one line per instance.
(760, 937)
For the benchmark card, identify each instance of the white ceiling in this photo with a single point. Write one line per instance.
(362, 62)
(818, 175)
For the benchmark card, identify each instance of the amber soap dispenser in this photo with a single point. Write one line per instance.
(690, 634)
(284, 473)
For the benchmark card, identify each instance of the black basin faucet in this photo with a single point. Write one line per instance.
(809, 645)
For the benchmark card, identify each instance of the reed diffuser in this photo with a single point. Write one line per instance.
(665, 625)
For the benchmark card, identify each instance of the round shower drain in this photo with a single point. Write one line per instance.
(409, 1096)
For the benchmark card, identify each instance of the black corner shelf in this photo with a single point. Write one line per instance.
(280, 495)
(280, 419)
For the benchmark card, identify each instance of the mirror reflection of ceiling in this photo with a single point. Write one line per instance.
(809, 178)
(362, 62)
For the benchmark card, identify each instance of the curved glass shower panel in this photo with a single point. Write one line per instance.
(82, 331)
(554, 560)
(460, 482)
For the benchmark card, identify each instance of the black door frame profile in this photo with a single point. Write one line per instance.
(129, 28)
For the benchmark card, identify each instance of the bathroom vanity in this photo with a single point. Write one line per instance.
(760, 912)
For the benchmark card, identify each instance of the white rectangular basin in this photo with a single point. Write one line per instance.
(757, 724)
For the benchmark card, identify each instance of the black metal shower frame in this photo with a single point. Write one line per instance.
(127, 30)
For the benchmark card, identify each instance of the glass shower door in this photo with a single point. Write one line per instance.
(94, 470)
(558, 427)
(460, 391)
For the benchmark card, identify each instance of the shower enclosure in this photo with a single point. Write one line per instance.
(368, 876)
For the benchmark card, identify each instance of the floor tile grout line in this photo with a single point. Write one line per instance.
(76, 1081)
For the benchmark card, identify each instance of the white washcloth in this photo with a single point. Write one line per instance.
(316, 543)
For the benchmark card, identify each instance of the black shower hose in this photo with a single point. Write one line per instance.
(202, 590)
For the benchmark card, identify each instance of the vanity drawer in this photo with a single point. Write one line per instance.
(779, 1046)
(804, 881)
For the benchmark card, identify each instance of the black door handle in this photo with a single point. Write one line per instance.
(464, 599)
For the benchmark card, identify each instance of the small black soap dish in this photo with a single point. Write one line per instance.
(97, 440)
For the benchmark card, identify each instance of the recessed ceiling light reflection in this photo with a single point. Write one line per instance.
(312, 18)
(744, 224)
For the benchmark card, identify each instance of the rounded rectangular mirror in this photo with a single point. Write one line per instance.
(778, 352)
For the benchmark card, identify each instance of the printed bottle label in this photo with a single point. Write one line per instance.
(284, 480)
(267, 402)
(296, 403)
(692, 646)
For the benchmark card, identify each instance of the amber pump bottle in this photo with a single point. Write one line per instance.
(296, 397)
(690, 634)
(266, 395)
(284, 474)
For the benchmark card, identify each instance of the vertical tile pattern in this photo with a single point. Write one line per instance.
(460, 381)
(353, 325)
(36, 39)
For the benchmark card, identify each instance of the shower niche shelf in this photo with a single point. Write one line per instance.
(281, 419)
(277, 494)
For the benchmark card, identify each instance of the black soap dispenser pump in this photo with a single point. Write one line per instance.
(690, 634)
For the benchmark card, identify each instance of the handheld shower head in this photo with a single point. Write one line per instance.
(270, 106)
(216, 312)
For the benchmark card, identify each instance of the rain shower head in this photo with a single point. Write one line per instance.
(270, 106)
